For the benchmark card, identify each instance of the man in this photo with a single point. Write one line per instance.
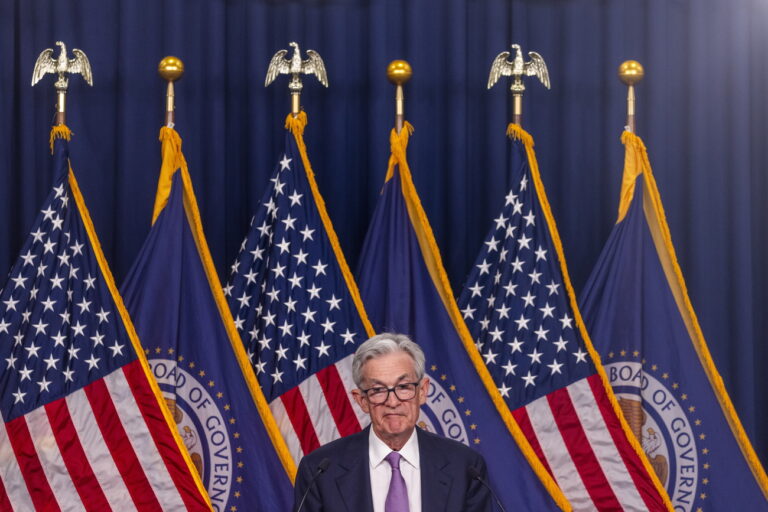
(391, 466)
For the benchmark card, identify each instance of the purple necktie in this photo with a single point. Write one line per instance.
(397, 496)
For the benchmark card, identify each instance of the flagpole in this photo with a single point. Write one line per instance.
(399, 72)
(171, 69)
(630, 73)
(61, 106)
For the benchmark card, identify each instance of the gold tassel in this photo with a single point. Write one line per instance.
(398, 142)
(61, 131)
(296, 124)
(516, 132)
(173, 159)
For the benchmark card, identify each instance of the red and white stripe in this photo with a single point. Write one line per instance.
(105, 446)
(319, 410)
(578, 437)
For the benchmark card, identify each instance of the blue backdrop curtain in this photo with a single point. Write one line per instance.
(701, 111)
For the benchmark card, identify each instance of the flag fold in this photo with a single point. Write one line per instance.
(636, 307)
(180, 312)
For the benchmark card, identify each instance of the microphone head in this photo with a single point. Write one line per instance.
(474, 473)
(324, 465)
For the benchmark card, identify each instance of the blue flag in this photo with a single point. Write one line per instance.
(180, 313)
(405, 289)
(636, 307)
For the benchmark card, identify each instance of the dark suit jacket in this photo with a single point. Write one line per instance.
(346, 485)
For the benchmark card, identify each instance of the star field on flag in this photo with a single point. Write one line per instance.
(294, 310)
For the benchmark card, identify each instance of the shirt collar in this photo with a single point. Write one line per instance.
(378, 450)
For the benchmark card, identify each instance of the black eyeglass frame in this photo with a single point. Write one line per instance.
(393, 389)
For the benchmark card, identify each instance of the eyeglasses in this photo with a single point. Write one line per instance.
(379, 394)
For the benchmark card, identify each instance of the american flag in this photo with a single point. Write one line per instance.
(297, 308)
(519, 306)
(82, 427)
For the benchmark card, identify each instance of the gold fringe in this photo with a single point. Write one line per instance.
(633, 166)
(173, 159)
(132, 335)
(544, 202)
(296, 126)
(398, 142)
(666, 251)
(516, 132)
(61, 131)
(431, 254)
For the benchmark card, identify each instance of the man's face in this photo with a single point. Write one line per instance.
(394, 420)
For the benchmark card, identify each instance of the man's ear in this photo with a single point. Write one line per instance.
(423, 389)
(361, 401)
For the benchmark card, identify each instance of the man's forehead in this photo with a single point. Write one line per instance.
(391, 366)
(374, 379)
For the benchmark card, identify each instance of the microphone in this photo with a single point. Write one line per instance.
(474, 474)
(320, 469)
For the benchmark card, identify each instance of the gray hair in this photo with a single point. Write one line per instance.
(386, 343)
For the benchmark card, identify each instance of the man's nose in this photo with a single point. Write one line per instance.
(392, 400)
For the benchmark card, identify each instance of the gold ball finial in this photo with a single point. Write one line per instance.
(630, 72)
(399, 72)
(171, 68)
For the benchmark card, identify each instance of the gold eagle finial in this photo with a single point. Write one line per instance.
(517, 68)
(62, 66)
(295, 66)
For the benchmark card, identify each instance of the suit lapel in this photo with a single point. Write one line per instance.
(353, 478)
(435, 478)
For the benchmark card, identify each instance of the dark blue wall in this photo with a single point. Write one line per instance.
(701, 111)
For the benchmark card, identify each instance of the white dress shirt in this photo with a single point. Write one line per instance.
(381, 471)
